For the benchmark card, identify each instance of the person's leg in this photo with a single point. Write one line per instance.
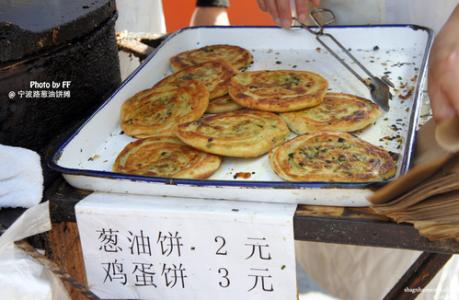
(141, 16)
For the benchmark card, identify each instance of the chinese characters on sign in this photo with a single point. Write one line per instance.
(139, 244)
(176, 252)
(169, 243)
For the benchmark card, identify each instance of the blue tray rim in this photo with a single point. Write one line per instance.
(52, 161)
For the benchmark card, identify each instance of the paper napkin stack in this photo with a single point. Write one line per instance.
(428, 195)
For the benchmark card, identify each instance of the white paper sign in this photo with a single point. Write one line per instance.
(167, 248)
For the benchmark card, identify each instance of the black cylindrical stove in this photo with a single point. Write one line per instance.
(58, 62)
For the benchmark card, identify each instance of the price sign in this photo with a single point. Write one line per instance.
(169, 248)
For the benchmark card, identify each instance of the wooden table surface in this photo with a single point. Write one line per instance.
(340, 225)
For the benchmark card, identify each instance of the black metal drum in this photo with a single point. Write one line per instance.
(58, 62)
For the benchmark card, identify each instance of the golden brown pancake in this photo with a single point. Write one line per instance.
(278, 91)
(338, 112)
(165, 156)
(239, 58)
(222, 104)
(331, 157)
(215, 75)
(158, 111)
(243, 133)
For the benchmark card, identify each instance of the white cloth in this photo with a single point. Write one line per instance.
(21, 277)
(355, 272)
(432, 14)
(138, 16)
(21, 178)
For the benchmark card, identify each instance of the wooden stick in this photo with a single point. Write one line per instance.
(134, 47)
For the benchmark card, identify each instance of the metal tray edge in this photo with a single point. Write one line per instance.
(52, 161)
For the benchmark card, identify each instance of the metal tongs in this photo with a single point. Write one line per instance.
(379, 87)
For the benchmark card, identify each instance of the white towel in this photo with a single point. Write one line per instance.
(21, 177)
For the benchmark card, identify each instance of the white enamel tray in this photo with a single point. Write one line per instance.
(399, 51)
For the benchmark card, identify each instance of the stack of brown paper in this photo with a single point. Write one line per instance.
(428, 195)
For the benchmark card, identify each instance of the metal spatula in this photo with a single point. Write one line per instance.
(379, 87)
